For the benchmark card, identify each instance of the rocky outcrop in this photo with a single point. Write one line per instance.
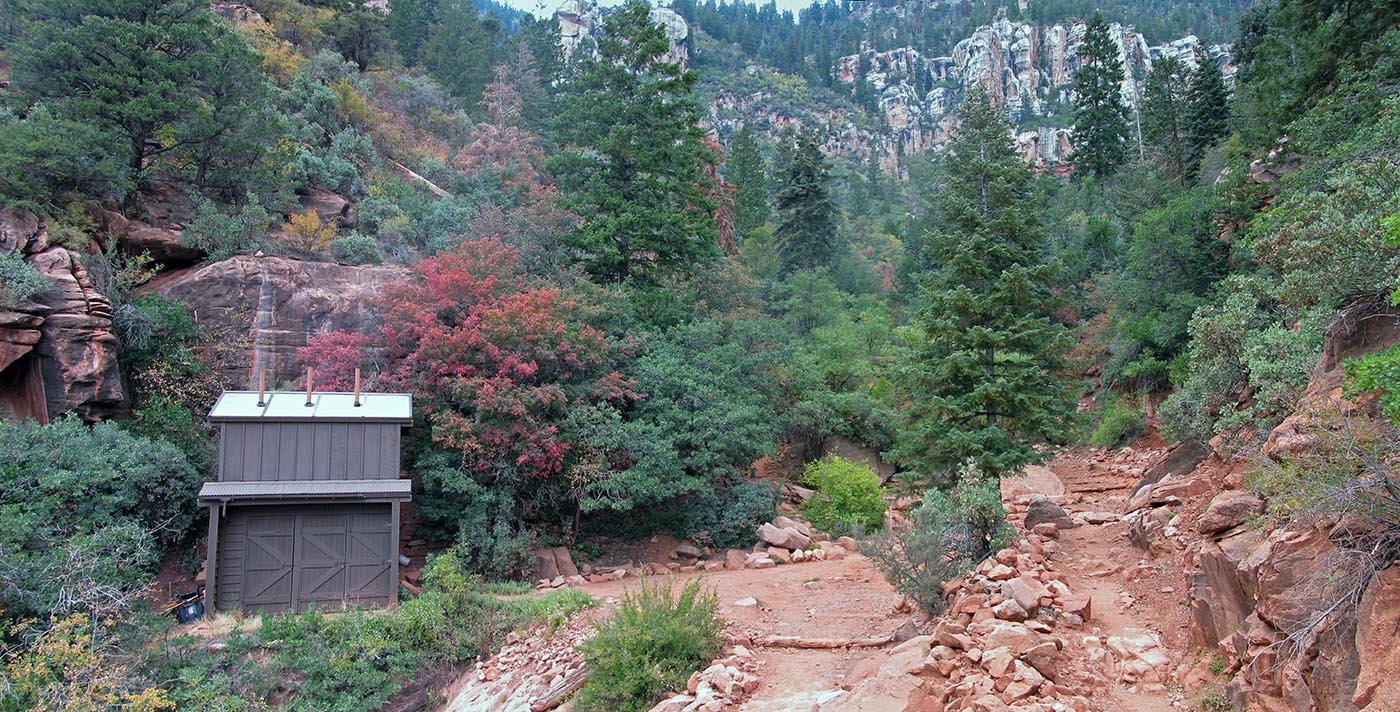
(58, 353)
(279, 303)
(77, 347)
(1377, 629)
(160, 242)
(584, 21)
(1263, 600)
(1027, 69)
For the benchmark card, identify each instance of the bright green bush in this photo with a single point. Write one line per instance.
(19, 280)
(1118, 424)
(653, 642)
(948, 535)
(848, 498)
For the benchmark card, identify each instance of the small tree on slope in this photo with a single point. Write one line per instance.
(980, 375)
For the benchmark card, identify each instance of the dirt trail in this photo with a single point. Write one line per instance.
(851, 600)
(1099, 559)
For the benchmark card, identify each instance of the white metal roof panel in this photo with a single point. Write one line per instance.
(291, 405)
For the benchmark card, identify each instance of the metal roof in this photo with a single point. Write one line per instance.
(307, 489)
(291, 405)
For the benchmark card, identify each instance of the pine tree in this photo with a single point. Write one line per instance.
(408, 24)
(980, 379)
(634, 167)
(1100, 118)
(1208, 112)
(745, 170)
(806, 232)
(1164, 116)
(461, 48)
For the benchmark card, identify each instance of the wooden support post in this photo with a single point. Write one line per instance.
(394, 554)
(211, 564)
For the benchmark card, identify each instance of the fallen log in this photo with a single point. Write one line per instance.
(559, 691)
(795, 641)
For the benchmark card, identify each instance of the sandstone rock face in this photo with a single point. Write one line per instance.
(77, 346)
(279, 303)
(58, 353)
(1377, 629)
(161, 243)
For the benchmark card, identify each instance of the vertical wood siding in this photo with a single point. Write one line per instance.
(308, 451)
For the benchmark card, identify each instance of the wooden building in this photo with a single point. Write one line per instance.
(306, 506)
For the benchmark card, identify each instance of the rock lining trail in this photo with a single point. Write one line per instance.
(1139, 611)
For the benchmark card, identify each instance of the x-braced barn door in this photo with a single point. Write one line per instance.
(267, 563)
(322, 544)
(369, 558)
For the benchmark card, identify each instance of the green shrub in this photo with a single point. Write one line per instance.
(480, 519)
(727, 516)
(71, 496)
(225, 231)
(948, 535)
(357, 249)
(848, 498)
(19, 281)
(356, 660)
(1377, 373)
(1214, 700)
(1118, 424)
(650, 646)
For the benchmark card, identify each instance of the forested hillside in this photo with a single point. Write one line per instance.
(637, 297)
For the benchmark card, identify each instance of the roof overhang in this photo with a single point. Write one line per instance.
(307, 490)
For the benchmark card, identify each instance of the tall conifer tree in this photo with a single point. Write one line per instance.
(635, 154)
(1100, 118)
(806, 232)
(1164, 116)
(980, 379)
(1208, 113)
(746, 171)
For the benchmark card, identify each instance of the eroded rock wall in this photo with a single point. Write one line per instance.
(1255, 594)
(58, 351)
(277, 304)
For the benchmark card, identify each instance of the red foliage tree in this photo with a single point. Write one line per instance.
(495, 362)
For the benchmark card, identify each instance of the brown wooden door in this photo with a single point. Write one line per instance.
(267, 562)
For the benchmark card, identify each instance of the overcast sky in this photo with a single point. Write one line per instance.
(542, 8)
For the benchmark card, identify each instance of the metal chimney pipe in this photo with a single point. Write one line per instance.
(262, 388)
(309, 374)
(357, 388)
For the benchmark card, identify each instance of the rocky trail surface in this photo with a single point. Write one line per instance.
(1072, 617)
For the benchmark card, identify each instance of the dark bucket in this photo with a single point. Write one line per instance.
(189, 612)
